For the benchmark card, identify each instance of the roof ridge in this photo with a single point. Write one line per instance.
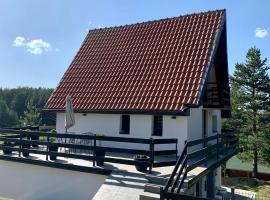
(157, 20)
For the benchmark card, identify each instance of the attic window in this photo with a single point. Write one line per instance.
(124, 124)
(157, 125)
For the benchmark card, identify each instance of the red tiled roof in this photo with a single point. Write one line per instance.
(152, 66)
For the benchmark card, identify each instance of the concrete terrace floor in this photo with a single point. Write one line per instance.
(121, 185)
(125, 182)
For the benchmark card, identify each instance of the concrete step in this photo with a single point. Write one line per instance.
(153, 188)
(156, 179)
(149, 196)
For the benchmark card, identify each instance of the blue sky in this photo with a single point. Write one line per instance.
(38, 39)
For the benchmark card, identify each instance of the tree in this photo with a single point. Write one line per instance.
(31, 116)
(17, 100)
(8, 117)
(250, 93)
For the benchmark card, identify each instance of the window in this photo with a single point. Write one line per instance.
(214, 123)
(157, 125)
(124, 124)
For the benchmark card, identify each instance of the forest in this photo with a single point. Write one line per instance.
(23, 106)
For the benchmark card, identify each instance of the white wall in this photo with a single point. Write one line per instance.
(140, 127)
(195, 124)
(183, 127)
(31, 182)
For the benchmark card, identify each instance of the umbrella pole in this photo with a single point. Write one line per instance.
(66, 137)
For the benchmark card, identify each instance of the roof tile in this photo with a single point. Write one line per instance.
(152, 66)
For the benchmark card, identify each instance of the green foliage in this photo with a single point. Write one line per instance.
(7, 117)
(31, 116)
(141, 157)
(265, 151)
(22, 103)
(250, 85)
(262, 188)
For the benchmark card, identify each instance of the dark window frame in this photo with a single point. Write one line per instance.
(125, 124)
(214, 124)
(157, 125)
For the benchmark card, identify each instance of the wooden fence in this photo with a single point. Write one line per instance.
(22, 141)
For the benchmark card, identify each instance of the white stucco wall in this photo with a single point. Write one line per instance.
(183, 127)
(140, 127)
(31, 182)
(195, 124)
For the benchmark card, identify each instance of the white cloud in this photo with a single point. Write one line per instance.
(19, 41)
(261, 32)
(36, 46)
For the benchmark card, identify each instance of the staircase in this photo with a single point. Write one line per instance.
(190, 167)
(152, 188)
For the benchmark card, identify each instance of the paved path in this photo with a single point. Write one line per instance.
(122, 185)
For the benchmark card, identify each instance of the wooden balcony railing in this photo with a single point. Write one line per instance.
(16, 140)
(218, 96)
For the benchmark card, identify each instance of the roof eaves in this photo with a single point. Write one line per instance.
(184, 112)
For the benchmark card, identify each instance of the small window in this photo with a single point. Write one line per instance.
(125, 124)
(157, 125)
(214, 123)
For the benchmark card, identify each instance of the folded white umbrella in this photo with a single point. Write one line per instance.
(69, 118)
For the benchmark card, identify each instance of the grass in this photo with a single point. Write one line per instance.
(2, 198)
(262, 188)
(236, 163)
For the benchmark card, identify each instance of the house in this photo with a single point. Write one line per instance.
(162, 79)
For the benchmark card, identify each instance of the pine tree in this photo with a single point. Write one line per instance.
(251, 86)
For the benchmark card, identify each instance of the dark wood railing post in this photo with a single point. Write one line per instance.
(47, 148)
(152, 149)
(161, 197)
(20, 146)
(217, 146)
(94, 150)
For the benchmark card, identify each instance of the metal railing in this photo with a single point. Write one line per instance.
(22, 142)
(217, 150)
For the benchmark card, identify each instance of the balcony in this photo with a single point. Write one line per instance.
(217, 96)
(81, 151)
